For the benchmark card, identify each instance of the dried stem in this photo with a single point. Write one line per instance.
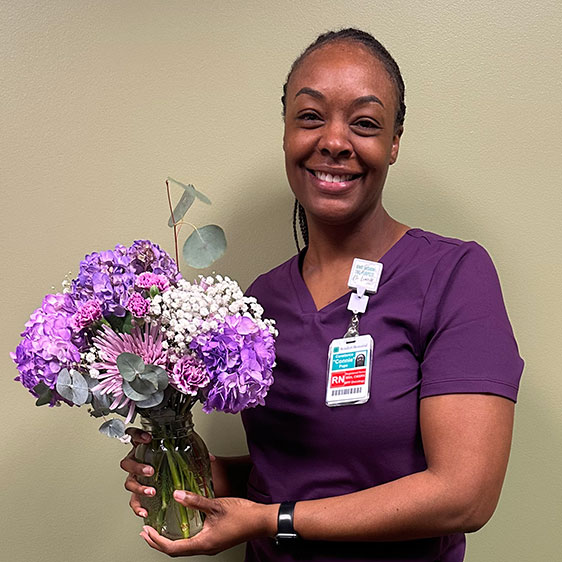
(174, 224)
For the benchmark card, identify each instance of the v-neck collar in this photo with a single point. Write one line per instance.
(307, 304)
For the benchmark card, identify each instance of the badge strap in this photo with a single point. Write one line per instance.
(357, 304)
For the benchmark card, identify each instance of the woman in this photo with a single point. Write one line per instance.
(404, 475)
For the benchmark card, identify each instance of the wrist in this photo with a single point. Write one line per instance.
(266, 515)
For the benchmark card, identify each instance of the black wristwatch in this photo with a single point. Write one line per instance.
(286, 533)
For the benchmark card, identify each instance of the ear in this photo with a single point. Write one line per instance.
(395, 144)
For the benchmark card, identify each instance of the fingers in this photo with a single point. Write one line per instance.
(195, 501)
(130, 465)
(134, 486)
(138, 436)
(136, 506)
(158, 542)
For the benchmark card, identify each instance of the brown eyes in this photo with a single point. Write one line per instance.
(312, 120)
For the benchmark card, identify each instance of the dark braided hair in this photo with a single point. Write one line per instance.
(378, 50)
(299, 217)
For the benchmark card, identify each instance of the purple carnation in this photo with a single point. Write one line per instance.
(147, 280)
(239, 355)
(137, 305)
(189, 375)
(87, 314)
(50, 343)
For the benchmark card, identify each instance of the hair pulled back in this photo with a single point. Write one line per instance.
(378, 50)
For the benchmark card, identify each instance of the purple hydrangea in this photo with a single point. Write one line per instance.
(107, 277)
(137, 305)
(146, 256)
(87, 314)
(239, 356)
(110, 276)
(50, 343)
(189, 375)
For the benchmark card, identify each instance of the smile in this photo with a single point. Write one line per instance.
(333, 178)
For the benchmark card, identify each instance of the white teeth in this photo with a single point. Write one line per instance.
(332, 179)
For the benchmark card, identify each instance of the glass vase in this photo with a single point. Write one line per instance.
(181, 462)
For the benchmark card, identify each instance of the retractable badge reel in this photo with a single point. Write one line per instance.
(350, 358)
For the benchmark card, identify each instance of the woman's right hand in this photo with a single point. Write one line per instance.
(134, 469)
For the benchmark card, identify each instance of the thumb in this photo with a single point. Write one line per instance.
(193, 501)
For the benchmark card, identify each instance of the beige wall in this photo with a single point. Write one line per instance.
(101, 100)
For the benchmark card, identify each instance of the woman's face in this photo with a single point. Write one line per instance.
(340, 135)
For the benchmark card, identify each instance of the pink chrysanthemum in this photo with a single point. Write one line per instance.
(146, 343)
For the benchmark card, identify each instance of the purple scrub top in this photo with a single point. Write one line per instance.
(439, 326)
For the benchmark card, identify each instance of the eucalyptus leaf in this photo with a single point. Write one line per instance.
(72, 386)
(131, 393)
(160, 374)
(204, 246)
(152, 401)
(113, 428)
(129, 365)
(44, 392)
(185, 202)
(146, 385)
(100, 404)
(188, 187)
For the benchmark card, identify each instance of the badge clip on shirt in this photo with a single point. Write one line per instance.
(350, 358)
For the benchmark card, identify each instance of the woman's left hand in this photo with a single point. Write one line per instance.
(228, 522)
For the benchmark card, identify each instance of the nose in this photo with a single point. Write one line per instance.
(335, 141)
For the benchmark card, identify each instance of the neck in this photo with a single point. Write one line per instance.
(333, 245)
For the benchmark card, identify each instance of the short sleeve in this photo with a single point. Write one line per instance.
(465, 334)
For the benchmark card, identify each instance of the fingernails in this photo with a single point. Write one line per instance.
(148, 470)
(149, 491)
(180, 495)
(143, 513)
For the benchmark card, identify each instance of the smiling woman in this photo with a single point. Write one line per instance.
(405, 473)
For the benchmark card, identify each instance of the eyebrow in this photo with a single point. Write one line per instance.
(359, 101)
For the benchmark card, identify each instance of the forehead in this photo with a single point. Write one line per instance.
(340, 67)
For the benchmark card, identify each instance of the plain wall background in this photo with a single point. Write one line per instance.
(101, 100)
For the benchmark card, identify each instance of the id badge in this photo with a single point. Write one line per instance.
(349, 370)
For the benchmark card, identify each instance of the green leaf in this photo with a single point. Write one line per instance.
(131, 393)
(145, 384)
(185, 202)
(152, 401)
(127, 327)
(45, 394)
(129, 365)
(204, 246)
(72, 386)
(188, 187)
(160, 374)
(113, 428)
(154, 291)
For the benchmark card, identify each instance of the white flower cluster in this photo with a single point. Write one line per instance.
(191, 309)
(88, 357)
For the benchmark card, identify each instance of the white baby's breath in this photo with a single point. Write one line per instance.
(194, 308)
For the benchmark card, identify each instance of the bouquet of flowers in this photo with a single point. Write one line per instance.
(130, 336)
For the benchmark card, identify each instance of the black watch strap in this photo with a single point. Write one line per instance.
(285, 531)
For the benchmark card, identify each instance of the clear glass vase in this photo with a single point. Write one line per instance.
(181, 462)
